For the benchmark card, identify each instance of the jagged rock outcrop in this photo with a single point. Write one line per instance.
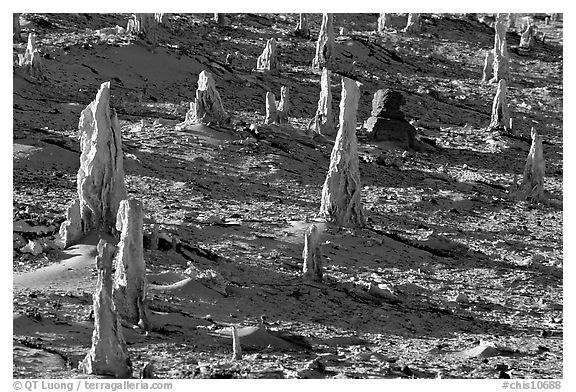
(500, 113)
(383, 22)
(108, 355)
(501, 57)
(387, 122)
(324, 119)
(30, 60)
(532, 185)
(413, 25)
(221, 19)
(236, 346)
(527, 37)
(325, 43)
(488, 66)
(312, 255)
(341, 194)
(129, 265)
(267, 60)
(207, 107)
(284, 105)
(271, 111)
(144, 25)
(100, 178)
(302, 29)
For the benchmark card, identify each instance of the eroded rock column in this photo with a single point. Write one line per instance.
(108, 355)
(501, 58)
(30, 61)
(325, 43)
(312, 255)
(207, 107)
(221, 19)
(341, 198)
(488, 66)
(413, 24)
(271, 112)
(130, 268)
(532, 185)
(283, 105)
(144, 25)
(100, 179)
(302, 29)
(527, 37)
(500, 113)
(267, 60)
(324, 120)
(383, 22)
(16, 26)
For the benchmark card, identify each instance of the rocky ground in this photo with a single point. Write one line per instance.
(472, 280)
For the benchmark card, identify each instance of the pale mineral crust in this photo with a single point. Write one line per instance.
(302, 29)
(108, 355)
(413, 24)
(501, 57)
(267, 60)
(207, 107)
(130, 268)
(271, 111)
(283, 105)
(500, 113)
(324, 119)
(100, 178)
(383, 22)
(532, 185)
(488, 66)
(341, 195)
(325, 43)
(312, 255)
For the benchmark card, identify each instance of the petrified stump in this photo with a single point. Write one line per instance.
(271, 112)
(325, 43)
(527, 37)
(108, 355)
(312, 255)
(221, 19)
(532, 185)
(283, 105)
(302, 29)
(207, 108)
(341, 198)
(384, 21)
(500, 113)
(144, 25)
(501, 58)
(100, 179)
(324, 119)
(30, 61)
(413, 24)
(130, 268)
(488, 66)
(267, 60)
(387, 122)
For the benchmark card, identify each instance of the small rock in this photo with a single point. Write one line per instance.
(316, 364)
(503, 375)
(501, 367)
(407, 371)
(147, 371)
(32, 247)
